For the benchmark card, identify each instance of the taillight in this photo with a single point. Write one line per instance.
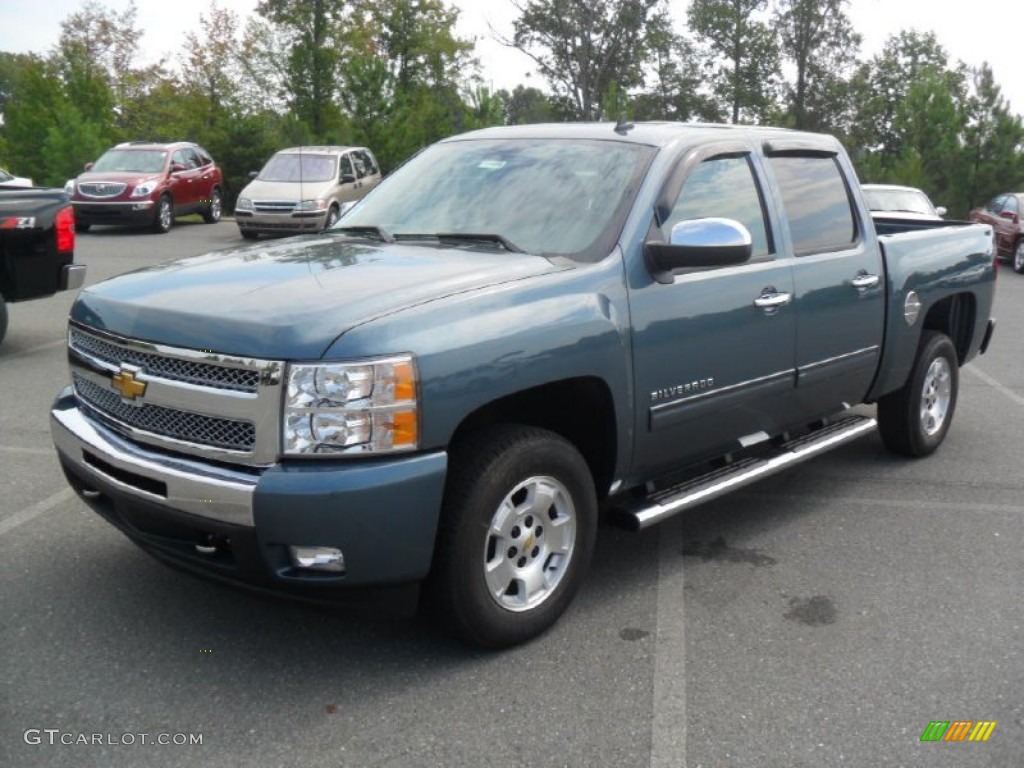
(65, 224)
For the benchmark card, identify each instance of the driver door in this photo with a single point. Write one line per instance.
(714, 349)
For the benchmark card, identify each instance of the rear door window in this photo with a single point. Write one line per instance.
(817, 203)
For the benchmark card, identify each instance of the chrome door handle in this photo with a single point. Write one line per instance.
(772, 301)
(864, 281)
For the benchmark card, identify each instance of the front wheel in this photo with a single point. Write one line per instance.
(1018, 257)
(914, 420)
(332, 217)
(516, 535)
(163, 217)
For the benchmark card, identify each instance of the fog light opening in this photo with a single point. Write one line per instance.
(328, 559)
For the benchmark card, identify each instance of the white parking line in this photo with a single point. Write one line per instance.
(1001, 388)
(27, 451)
(668, 732)
(8, 524)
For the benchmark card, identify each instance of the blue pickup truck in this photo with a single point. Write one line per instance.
(520, 327)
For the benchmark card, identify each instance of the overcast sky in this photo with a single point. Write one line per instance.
(970, 35)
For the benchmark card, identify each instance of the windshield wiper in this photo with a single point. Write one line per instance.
(368, 230)
(480, 237)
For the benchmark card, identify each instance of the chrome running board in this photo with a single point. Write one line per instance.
(659, 505)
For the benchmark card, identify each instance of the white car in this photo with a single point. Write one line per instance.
(10, 180)
(892, 201)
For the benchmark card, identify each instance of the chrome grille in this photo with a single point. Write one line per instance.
(273, 206)
(190, 371)
(179, 425)
(101, 188)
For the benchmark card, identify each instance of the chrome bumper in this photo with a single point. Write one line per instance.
(72, 277)
(207, 491)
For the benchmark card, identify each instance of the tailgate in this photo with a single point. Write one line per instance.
(30, 264)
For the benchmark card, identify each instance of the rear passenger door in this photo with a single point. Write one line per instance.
(839, 278)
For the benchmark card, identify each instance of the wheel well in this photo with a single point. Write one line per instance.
(581, 410)
(954, 316)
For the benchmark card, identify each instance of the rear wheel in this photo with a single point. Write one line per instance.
(213, 211)
(1018, 257)
(516, 536)
(914, 420)
(163, 217)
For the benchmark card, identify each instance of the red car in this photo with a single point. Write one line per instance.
(1003, 212)
(147, 184)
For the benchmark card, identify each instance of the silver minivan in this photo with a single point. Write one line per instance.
(304, 189)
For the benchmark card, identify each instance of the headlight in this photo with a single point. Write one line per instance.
(365, 407)
(311, 205)
(145, 189)
(243, 204)
(69, 186)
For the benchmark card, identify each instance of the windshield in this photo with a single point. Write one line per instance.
(132, 160)
(544, 196)
(299, 168)
(901, 200)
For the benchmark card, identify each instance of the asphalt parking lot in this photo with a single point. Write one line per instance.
(823, 617)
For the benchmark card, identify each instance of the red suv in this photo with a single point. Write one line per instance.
(1004, 213)
(145, 183)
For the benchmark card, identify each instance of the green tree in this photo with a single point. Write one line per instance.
(403, 82)
(526, 104)
(68, 140)
(816, 36)
(929, 122)
(741, 54)
(34, 100)
(880, 86)
(993, 140)
(315, 34)
(210, 64)
(586, 49)
(674, 83)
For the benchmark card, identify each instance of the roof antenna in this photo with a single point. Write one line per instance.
(624, 125)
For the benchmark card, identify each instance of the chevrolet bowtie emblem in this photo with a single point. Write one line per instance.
(126, 383)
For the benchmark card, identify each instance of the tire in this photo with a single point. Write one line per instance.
(332, 217)
(516, 535)
(214, 210)
(163, 216)
(82, 227)
(3, 319)
(914, 420)
(248, 234)
(1018, 257)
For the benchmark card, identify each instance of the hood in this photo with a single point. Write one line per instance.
(291, 298)
(286, 190)
(132, 178)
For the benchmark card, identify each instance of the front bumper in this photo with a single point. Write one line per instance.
(134, 212)
(280, 223)
(237, 525)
